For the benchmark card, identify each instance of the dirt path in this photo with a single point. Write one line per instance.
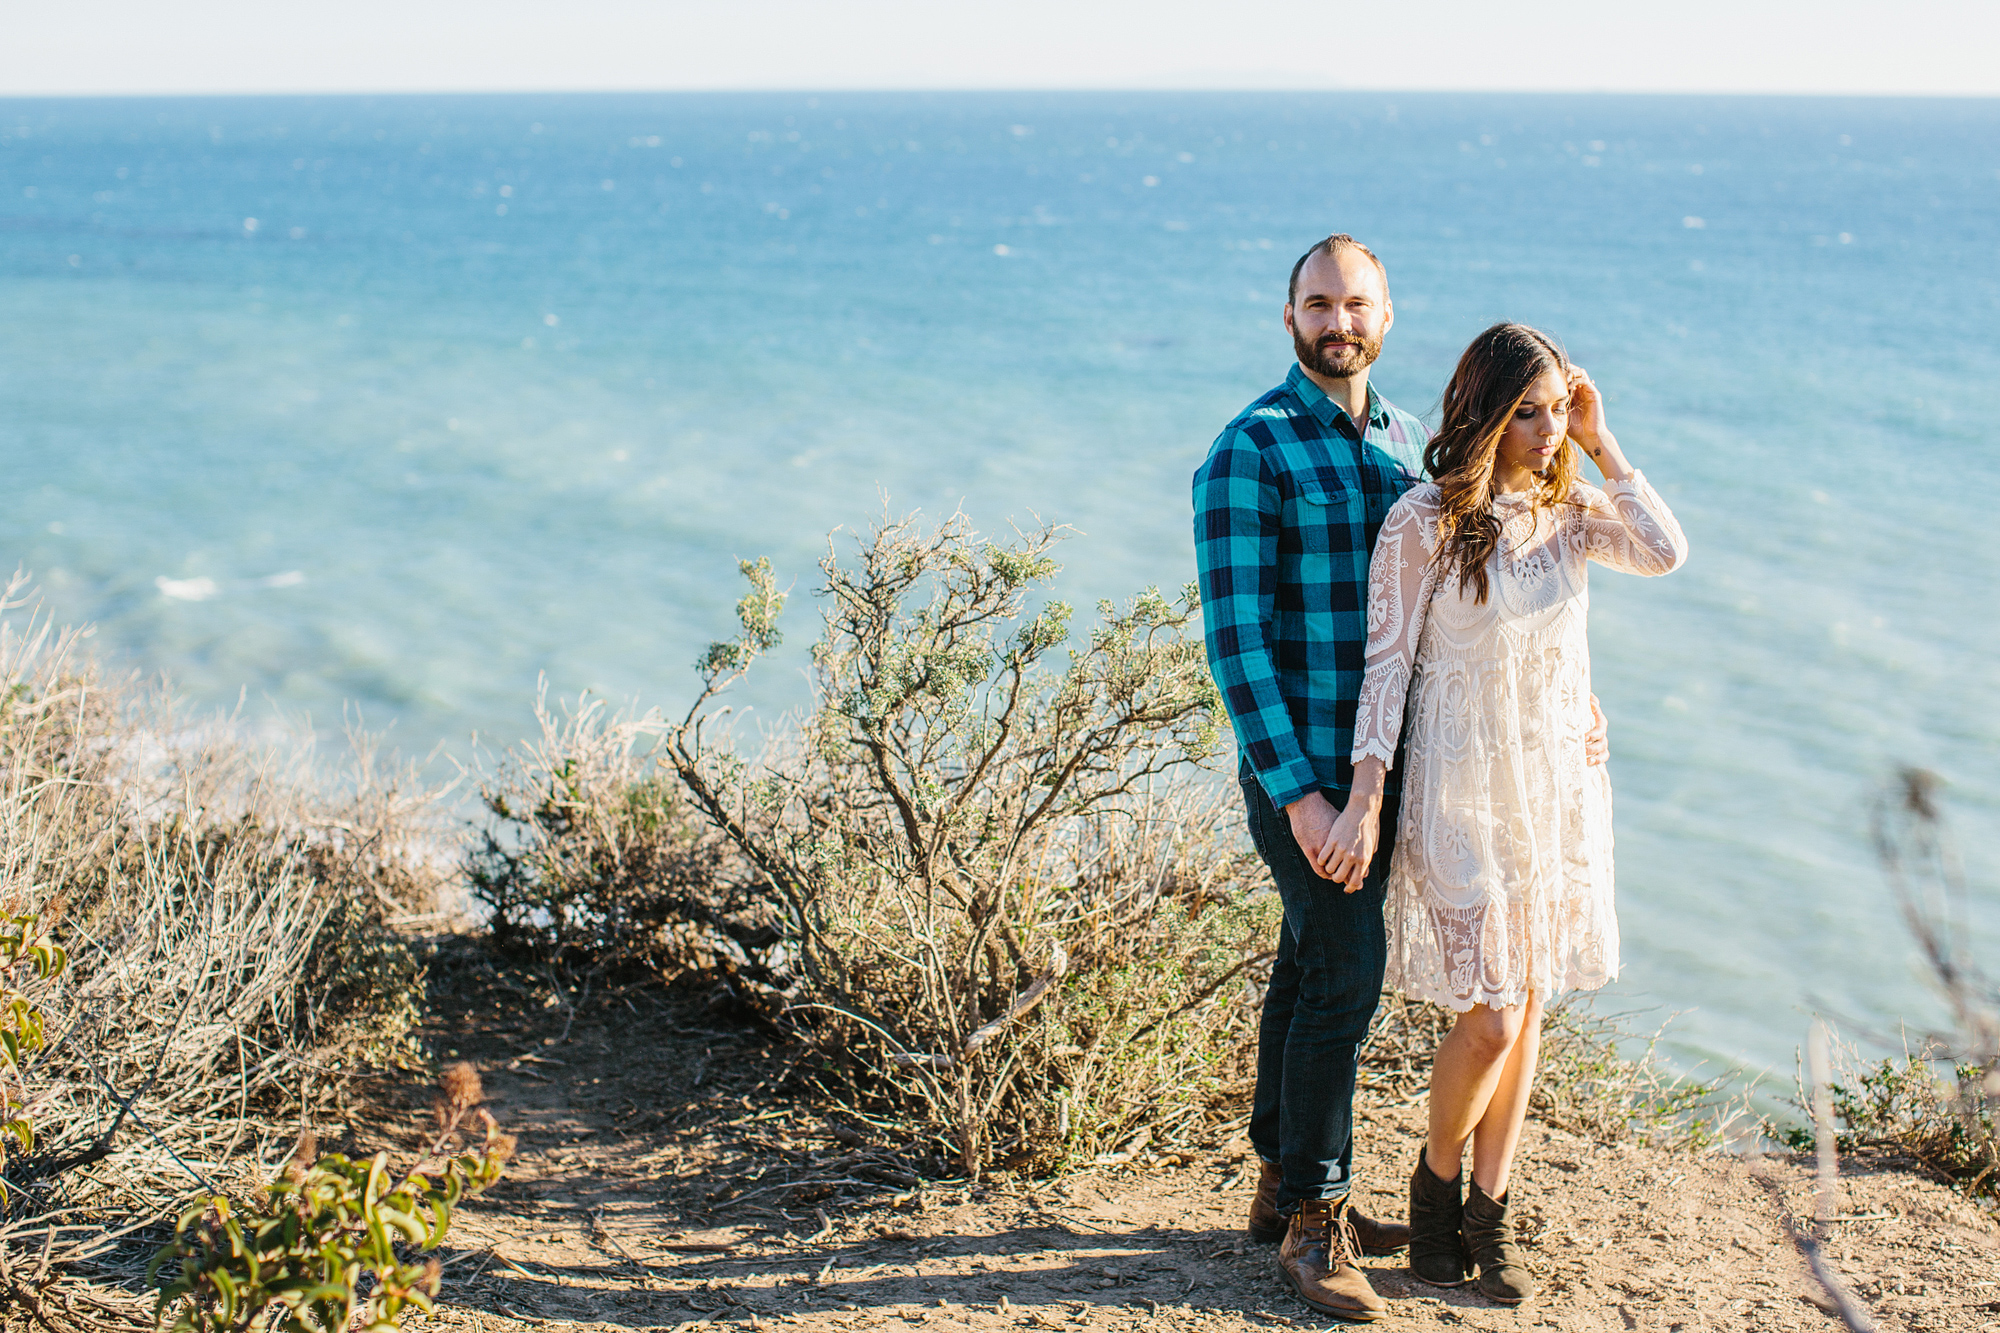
(651, 1191)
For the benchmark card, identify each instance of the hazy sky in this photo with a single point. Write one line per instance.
(133, 46)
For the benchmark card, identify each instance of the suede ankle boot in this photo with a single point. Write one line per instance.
(1267, 1226)
(1437, 1239)
(1489, 1237)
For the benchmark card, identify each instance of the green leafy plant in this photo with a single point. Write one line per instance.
(1920, 1106)
(297, 1259)
(23, 949)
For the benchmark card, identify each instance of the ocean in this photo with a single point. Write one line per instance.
(389, 406)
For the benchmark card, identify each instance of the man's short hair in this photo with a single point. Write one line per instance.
(1333, 245)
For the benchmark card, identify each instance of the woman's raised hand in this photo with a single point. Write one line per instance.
(1590, 431)
(1586, 408)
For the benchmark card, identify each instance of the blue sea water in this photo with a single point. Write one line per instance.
(401, 402)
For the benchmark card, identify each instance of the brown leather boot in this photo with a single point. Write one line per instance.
(1489, 1236)
(1322, 1261)
(1437, 1221)
(1267, 1226)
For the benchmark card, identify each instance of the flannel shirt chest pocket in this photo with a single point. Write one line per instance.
(1329, 511)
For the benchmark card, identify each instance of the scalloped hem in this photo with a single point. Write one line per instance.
(1370, 750)
(1498, 999)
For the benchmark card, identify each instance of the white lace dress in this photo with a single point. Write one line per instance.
(1501, 882)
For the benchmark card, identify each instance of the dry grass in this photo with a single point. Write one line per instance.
(592, 857)
(229, 910)
(1599, 1078)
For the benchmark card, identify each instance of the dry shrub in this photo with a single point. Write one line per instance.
(593, 857)
(1601, 1080)
(1015, 914)
(230, 914)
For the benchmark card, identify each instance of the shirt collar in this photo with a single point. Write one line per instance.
(1329, 412)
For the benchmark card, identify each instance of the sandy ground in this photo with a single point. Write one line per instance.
(661, 1184)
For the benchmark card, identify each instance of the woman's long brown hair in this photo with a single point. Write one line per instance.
(1492, 378)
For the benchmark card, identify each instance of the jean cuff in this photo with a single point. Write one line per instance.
(1333, 1194)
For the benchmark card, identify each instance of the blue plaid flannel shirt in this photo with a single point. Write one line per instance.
(1286, 509)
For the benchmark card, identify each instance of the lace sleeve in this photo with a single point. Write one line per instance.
(1629, 528)
(1401, 578)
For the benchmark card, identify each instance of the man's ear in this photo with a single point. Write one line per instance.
(1288, 319)
(1389, 314)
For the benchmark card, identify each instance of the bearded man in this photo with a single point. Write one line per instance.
(1286, 510)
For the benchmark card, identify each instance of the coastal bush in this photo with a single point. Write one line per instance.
(1921, 1106)
(1938, 1103)
(592, 856)
(1014, 918)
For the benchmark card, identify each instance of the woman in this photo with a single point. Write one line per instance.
(1500, 895)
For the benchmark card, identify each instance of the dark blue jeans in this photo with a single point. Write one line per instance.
(1324, 987)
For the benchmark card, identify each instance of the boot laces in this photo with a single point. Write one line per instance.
(1334, 1230)
(1344, 1244)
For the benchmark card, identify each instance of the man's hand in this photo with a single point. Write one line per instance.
(1313, 818)
(1350, 848)
(1596, 741)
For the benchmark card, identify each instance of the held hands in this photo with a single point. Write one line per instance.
(1312, 817)
(1341, 844)
(1349, 848)
(1596, 741)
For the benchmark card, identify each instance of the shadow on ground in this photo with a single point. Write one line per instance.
(667, 1179)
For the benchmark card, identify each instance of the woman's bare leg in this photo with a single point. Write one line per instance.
(1498, 1131)
(1471, 1062)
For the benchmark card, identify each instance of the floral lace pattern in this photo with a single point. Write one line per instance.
(1502, 880)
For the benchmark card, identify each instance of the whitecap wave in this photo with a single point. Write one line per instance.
(186, 590)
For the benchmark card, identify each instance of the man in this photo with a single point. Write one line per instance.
(1286, 511)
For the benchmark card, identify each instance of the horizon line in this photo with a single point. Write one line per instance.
(1927, 95)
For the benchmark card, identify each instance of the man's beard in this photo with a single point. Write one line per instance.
(1332, 356)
